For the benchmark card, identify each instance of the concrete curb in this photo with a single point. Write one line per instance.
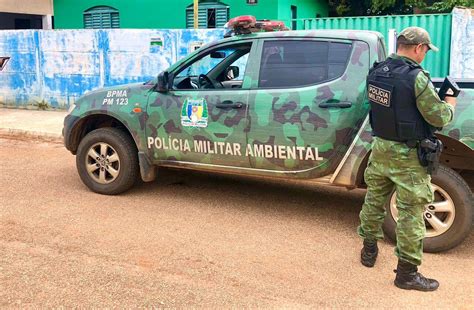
(28, 134)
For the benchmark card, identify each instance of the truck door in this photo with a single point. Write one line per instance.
(308, 104)
(203, 119)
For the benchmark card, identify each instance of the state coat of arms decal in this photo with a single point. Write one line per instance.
(194, 113)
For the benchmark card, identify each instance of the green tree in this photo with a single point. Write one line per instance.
(448, 5)
(392, 7)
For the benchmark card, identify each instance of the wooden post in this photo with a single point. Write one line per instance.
(196, 14)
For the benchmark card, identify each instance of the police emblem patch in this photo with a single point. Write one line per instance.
(379, 95)
(194, 113)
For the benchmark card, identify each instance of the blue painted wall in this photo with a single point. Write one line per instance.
(57, 67)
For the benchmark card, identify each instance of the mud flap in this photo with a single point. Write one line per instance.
(147, 169)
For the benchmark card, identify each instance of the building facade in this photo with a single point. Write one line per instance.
(26, 14)
(177, 14)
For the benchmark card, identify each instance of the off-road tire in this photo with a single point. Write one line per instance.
(121, 144)
(453, 184)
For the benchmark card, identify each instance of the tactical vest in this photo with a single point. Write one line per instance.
(391, 93)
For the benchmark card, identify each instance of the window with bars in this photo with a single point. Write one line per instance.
(100, 17)
(210, 15)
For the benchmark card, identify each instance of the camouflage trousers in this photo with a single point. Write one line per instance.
(394, 166)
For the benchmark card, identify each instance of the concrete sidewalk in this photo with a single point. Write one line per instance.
(21, 123)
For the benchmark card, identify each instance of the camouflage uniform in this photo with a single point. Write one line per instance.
(393, 165)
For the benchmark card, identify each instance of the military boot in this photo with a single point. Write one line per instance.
(369, 253)
(408, 278)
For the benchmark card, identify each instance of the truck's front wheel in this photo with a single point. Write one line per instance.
(448, 219)
(107, 161)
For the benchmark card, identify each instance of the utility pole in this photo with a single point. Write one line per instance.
(196, 14)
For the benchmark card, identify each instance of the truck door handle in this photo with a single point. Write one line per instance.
(229, 104)
(335, 104)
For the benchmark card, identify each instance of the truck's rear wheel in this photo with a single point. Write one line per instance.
(107, 161)
(448, 219)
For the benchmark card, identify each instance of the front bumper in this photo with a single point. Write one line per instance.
(69, 139)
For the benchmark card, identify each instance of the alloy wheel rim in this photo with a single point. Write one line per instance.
(102, 163)
(438, 215)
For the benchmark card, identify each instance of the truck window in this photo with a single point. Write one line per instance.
(293, 63)
(206, 63)
(215, 65)
(381, 51)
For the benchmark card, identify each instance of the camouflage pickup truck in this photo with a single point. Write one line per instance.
(289, 104)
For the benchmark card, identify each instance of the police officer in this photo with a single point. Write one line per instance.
(405, 108)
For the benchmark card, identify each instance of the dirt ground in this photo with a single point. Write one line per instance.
(195, 240)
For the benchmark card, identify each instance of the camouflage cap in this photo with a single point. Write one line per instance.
(415, 36)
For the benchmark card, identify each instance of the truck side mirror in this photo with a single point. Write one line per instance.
(232, 72)
(163, 81)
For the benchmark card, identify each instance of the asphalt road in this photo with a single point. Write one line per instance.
(195, 240)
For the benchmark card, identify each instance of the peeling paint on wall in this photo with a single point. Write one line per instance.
(57, 67)
(462, 44)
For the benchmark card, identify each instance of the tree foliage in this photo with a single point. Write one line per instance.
(393, 7)
(448, 5)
